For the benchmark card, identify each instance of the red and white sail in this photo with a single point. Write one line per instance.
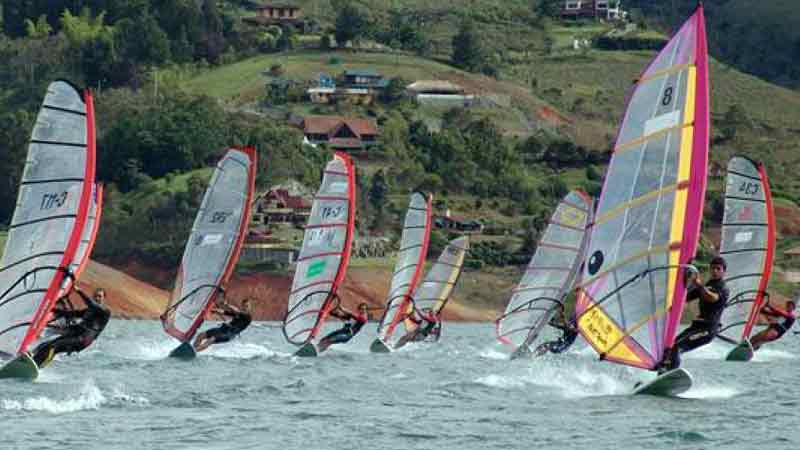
(50, 217)
(323, 258)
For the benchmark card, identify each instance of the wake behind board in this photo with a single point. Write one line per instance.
(378, 346)
(742, 352)
(184, 351)
(22, 367)
(309, 350)
(668, 384)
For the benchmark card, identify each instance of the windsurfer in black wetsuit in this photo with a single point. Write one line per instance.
(713, 298)
(569, 332)
(425, 324)
(79, 328)
(776, 329)
(239, 320)
(353, 323)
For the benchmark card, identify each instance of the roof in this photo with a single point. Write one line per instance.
(362, 73)
(794, 251)
(276, 5)
(327, 124)
(291, 201)
(434, 85)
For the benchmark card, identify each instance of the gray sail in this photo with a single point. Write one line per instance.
(747, 244)
(434, 292)
(550, 275)
(50, 214)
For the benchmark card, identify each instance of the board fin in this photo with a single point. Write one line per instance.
(184, 351)
(378, 346)
(742, 352)
(309, 350)
(22, 367)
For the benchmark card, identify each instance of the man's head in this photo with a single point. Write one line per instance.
(790, 305)
(718, 267)
(247, 304)
(363, 308)
(99, 295)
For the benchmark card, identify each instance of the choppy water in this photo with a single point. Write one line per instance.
(460, 394)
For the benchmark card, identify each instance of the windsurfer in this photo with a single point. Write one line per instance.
(239, 320)
(353, 323)
(713, 296)
(775, 330)
(569, 330)
(424, 324)
(80, 327)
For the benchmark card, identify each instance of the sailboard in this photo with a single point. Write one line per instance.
(322, 263)
(647, 225)
(748, 246)
(213, 247)
(550, 275)
(407, 271)
(48, 223)
(434, 292)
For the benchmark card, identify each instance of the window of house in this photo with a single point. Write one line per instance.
(602, 5)
(573, 5)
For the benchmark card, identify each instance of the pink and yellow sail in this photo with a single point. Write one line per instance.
(647, 224)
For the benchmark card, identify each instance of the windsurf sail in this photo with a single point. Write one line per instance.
(50, 217)
(323, 258)
(409, 265)
(213, 247)
(434, 292)
(550, 275)
(647, 225)
(747, 244)
(89, 237)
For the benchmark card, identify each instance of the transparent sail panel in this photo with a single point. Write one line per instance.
(46, 212)
(215, 239)
(550, 273)
(434, 292)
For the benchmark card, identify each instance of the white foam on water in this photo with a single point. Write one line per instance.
(491, 353)
(144, 349)
(241, 350)
(766, 354)
(710, 391)
(119, 395)
(572, 378)
(715, 350)
(90, 397)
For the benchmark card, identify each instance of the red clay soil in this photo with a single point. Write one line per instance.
(129, 297)
(126, 296)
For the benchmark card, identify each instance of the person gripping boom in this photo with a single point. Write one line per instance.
(238, 322)
(776, 329)
(353, 323)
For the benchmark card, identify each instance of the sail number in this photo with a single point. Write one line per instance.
(668, 93)
(748, 188)
(331, 212)
(220, 216)
(53, 200)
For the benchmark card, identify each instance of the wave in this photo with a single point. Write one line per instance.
(242, 350)
(89, 398)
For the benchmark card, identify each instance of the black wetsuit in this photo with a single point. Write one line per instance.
(351, 328)
(560, 345)
(75, 338)
(229, 330)
(782, 328)
(704, 329)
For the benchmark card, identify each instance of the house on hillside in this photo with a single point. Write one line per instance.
(363, 79)
(592, 9)
(341, 133)
(353, 86)
(439, 92)
(457, 224)
(278, 206)
(276, 14)
(259, 252)
(793, 253)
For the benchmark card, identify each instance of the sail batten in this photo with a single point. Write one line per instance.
(550, 274)
(648, 217)
(325, 253)
(214, 243)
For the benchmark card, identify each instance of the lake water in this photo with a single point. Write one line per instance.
(461, 394)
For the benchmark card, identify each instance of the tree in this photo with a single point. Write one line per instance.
(394, 91)
(213, 41)
(378, 190)
(734, 118)
(468, 50)
(141, 39)
(352, 23)
(39, 29)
